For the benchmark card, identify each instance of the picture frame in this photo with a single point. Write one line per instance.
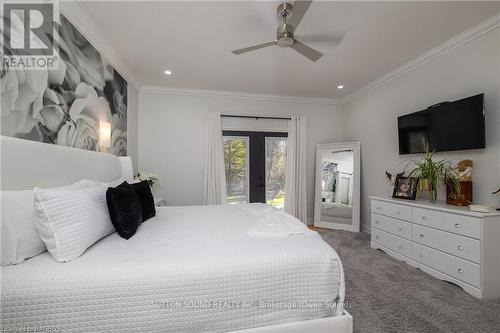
(405, 188)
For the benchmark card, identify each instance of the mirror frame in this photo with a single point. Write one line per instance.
(356, 151)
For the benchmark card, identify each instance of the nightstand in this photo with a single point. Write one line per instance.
(160, 201)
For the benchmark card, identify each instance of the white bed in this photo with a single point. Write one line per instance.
(183, 255)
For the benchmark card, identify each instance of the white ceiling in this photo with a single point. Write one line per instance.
(194, 40)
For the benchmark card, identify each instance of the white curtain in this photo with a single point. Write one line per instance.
(295, 189)
(214, 192)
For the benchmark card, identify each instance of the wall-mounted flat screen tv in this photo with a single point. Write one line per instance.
(446, 126)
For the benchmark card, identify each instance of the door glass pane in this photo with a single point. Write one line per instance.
(275, 171)
(236, 155)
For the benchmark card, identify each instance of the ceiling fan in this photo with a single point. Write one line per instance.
(290, 17)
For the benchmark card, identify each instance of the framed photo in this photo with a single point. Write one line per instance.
(405, 188)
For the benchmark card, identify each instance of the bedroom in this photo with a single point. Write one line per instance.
(235, 161)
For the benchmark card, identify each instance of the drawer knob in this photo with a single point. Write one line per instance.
(400, 246)
(421, 236)
(398, 212)
(400, 229)
(376, 221)
(376, 237)
(457, 225)
(421, 255)
(460, 270)
(378, 207)
(424, 218)
(460, 247)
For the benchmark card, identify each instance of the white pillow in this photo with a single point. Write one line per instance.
(20, 239)
(71, 220)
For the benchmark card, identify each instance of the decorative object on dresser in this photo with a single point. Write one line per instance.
(448, 242)
(432, 173)
(480, 208)
(392, 179)
(496, 192)
(405, 188)
(463, 171)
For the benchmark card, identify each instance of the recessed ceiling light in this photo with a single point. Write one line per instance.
(340, 87)
(167, 72)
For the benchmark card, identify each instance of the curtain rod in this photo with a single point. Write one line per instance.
(254, 117)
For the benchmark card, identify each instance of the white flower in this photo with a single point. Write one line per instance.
(119, 142)
(72, 78)
(52, 114)
(82, 131)
(119, 135)
(21, 95)
(22, 90)
(151, 178)
(78, 51)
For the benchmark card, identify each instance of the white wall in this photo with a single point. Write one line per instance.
(172, 130)
(132, 126)
(464, 71)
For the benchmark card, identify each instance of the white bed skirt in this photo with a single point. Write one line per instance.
(337, 324)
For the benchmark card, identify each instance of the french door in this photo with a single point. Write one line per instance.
(255, 165)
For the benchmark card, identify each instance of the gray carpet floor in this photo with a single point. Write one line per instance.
(386, 295)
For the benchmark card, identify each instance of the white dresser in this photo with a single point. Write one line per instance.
(450, 243)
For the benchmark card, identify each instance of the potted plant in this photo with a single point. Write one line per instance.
(431, 174)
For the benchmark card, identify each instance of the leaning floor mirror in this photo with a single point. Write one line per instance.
(337, 196)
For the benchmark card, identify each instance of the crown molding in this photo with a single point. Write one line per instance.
(237, 95)
(73, 12)
(459, 40)
(77, 17)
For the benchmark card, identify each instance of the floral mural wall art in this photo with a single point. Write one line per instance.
(64, 106)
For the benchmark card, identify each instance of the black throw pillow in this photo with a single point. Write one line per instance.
(143, 191)
(124, 209)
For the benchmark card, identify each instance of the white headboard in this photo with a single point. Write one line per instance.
(26, 164)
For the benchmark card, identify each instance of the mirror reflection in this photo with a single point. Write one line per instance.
(337, 186)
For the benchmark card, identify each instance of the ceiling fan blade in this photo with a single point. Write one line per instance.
(300, 8)
(327, 39)
(306, 51)
(255, 47)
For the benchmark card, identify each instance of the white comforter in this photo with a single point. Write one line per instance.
(189, 269)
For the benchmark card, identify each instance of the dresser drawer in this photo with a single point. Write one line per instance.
(394, 226)
(392, 210)
(455, 267)
(460, 246)
(394, 243)
(459, 224)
